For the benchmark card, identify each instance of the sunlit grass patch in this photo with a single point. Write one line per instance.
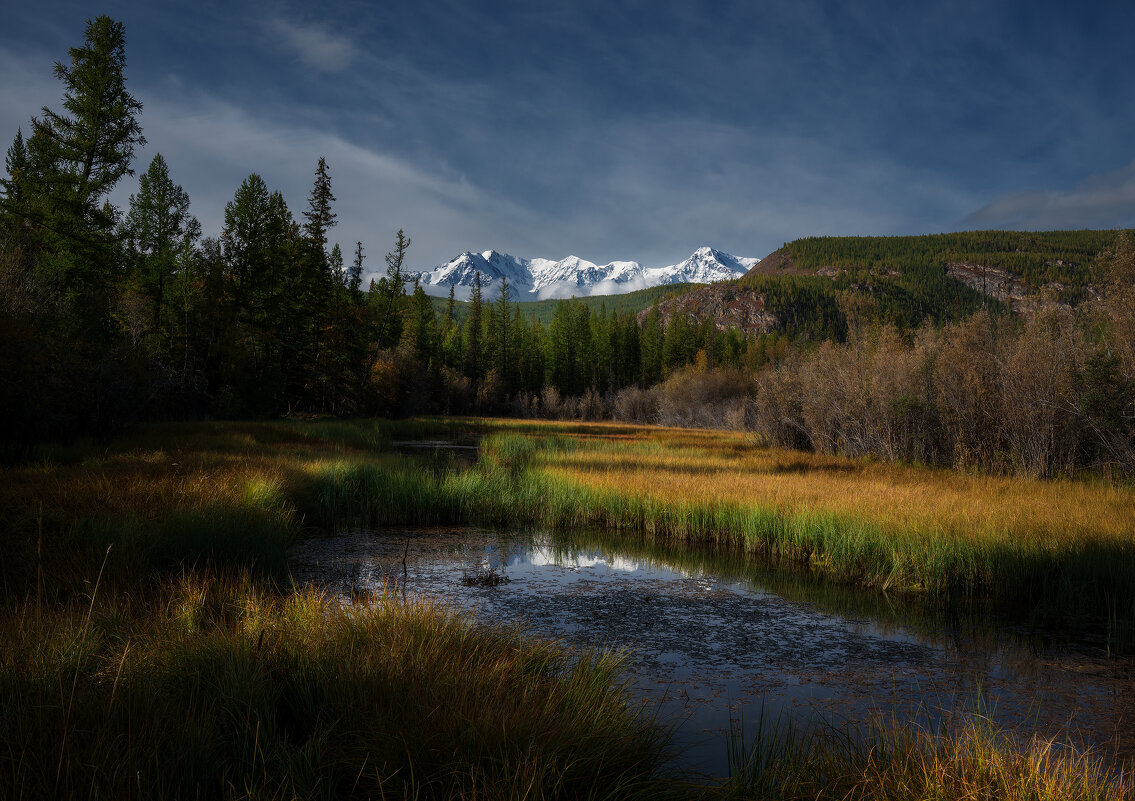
(894, 761)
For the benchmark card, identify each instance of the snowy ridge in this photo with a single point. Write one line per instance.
(545, 278)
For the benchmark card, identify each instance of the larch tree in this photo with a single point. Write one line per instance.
(156, 229)
(80, 154)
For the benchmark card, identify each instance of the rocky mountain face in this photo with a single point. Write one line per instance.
(729, 305)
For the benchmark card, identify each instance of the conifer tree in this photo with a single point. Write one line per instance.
(651, 344)
(243, 241)
(92, 142)
(355, 275)
(156, 229)
(391, 289)
(473, 332)
(15, 189)
(500, 327)
(78, 155)
(320, 218)
(335, 266)
(563, 349)
(450, 308)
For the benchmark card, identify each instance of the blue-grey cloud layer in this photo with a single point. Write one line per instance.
(621, 130)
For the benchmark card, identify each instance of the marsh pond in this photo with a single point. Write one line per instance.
(716, 643)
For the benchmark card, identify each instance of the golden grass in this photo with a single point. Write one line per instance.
(728, 467)
(218, 689)
(895, 761)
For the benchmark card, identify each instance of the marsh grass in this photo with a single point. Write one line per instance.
(150, 643)
(903, 761)
(1066, 546)
(219, 689)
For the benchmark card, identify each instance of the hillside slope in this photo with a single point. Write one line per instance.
(815, 287)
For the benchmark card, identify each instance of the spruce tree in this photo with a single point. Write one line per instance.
(501, 334)
(14, 186)
(335, 266)
(92, 143)
(77, 157)
(651, 344)
(355, 275)
(320, 218)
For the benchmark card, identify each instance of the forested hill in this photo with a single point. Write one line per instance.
(544, 311)
(1036, 258)
(814, 287)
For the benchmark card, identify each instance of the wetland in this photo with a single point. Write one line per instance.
(480, 608)
(714, 644)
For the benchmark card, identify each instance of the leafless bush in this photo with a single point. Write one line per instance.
(778, 415)
(591, 406)
(704, 399)
(1038, 404)
(635, 405)
(550, 402)
(525, 404)
(569, 408)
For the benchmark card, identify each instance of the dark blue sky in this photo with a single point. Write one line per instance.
(624, 130)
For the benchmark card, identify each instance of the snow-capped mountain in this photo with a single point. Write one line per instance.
(546, 278)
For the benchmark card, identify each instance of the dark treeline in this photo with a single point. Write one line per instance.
(112, 315)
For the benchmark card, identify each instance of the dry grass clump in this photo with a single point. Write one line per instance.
(895, 761)
(219, 689)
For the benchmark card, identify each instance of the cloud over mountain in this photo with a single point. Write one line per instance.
(1106, 200)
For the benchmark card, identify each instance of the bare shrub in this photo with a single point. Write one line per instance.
(1038, 406)
(703, 399)
(550, 402)
(635, 405)
(966, 387)
(777, 415)
(591, 406)
(569, 408)
(490, 392)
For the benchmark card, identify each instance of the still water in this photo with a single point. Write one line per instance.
(715, 642)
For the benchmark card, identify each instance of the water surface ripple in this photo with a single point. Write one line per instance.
(713, 646)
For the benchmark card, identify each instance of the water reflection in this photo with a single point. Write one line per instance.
(712, 637)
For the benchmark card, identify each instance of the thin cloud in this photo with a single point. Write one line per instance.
(1106, 200)
(316, 46)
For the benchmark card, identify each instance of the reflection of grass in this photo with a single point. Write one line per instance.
(192, 659)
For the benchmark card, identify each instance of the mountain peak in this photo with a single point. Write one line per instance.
(575, 276)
